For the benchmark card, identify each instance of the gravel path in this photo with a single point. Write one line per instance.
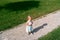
(41, 27)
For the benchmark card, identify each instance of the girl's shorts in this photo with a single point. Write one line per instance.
(28, 28)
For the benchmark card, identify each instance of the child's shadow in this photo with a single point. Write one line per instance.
(39, 27)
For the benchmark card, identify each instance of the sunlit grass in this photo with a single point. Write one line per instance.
(54, 35)
(9, 19)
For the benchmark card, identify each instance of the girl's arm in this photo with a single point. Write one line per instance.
(26, 23)
(32, 22)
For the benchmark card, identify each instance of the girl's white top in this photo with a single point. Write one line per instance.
(29, 23)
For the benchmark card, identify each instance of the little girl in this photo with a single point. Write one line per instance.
(29, 25)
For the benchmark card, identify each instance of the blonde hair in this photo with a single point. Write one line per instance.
(29, 18)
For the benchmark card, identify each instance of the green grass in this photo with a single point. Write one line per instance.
(10, 18)
(54, 35)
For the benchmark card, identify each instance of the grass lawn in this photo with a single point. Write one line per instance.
(54, 35)
(14, 12)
